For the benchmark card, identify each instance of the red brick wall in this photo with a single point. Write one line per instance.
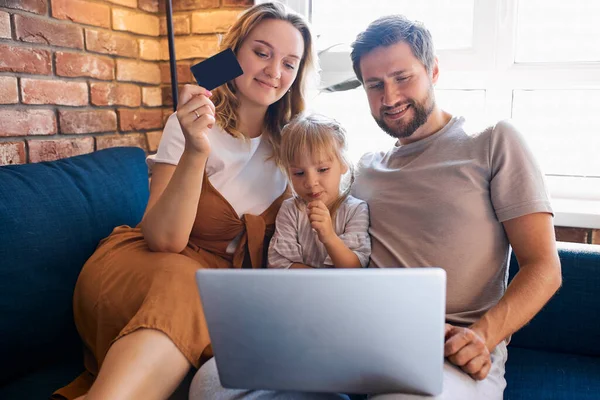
(578, 235)
(82, 75)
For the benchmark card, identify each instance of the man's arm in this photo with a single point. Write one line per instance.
(532, 239)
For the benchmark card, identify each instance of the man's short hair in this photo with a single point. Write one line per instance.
(389, 30)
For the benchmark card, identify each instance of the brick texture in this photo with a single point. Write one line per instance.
(5, 31)
(153, 140)
(27, 122)
(132, 139)
(186, 5)
(238, 3)
(21, 59)
(148, 5)
(150, 50)
(12, 153)
(111, 43)
(596, 236)
(184, 74)
(167, 112)
(213, 21)
(136, 22)
(38, 30)
(76, 64)
(196, 47)
(50, 150)
(136, 71)
(34, 6)
(65, 93)
(167, 94)
(152, 96)
(96, 70)
(181, 25)
(81, 11)
(126, 3)
(575, 235)
(136, 120)
(115, 94)
(79, 122)
(9, 93)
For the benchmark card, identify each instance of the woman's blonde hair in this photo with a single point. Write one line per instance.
(321, 138)
(293, 102)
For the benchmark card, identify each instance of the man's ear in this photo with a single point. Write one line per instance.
(435, 71)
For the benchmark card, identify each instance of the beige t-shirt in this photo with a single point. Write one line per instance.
(441, 201)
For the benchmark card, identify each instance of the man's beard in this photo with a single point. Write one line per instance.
(403, 128)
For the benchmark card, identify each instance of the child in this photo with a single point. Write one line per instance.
(322, 226)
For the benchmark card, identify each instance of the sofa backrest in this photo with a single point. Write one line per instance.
(52, 216)
(570, 322)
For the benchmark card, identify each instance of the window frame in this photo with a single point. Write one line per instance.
(490, 65)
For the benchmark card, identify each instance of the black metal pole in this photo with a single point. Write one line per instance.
(172, 59)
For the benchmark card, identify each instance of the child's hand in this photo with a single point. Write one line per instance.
(320, 220)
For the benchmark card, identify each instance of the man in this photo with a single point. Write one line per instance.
(448, 197)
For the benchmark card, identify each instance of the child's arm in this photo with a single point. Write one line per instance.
(341, 255)
(284, 249)
(299, 266)
(352, 248)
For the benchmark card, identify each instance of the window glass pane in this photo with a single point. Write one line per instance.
(450, 21)
(351, 109)
(562, 127)
(558, 30)
(468, 103)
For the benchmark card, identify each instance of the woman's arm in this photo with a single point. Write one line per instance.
(175, 191)
(173, 203)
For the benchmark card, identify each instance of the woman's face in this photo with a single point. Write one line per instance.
(270, 57)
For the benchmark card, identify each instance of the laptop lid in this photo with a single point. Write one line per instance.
(335, 330)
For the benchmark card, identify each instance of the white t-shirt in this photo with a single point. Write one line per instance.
(237, 168)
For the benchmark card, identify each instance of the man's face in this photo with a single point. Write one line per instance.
(399, 89)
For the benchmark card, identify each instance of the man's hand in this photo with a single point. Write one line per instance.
(466, 349)
(320, 221)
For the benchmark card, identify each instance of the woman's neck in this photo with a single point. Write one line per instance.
(251, 120)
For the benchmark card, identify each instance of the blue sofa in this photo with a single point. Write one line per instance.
(52, 216)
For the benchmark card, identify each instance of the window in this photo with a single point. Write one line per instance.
(535, 61)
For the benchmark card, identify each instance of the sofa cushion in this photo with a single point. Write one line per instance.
(43, 382)
(568, 323)
(535, 375)
(52, 216)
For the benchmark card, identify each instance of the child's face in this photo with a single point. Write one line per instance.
(317, 178)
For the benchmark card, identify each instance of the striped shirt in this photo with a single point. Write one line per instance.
(295, 241)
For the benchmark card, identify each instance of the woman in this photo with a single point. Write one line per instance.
(216, 189)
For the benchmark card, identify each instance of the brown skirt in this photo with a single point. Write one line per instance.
(124, 287)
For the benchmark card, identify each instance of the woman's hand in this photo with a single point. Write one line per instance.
(320, 221)
(196, 115)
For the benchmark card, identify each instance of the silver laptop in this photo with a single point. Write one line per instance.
(334, 330)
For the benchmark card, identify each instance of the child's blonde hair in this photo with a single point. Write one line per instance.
(321, 137)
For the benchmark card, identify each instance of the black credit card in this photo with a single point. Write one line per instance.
(217, 70)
